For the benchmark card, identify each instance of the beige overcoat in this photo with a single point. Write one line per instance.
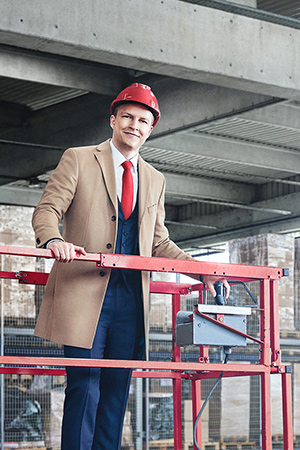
(82, 191)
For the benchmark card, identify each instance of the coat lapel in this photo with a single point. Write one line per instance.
(104, 157)
(144, 187)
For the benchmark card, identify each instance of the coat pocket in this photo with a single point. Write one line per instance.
(152, 209)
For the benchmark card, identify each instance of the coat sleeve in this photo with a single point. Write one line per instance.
(163, 246)
(56, 199)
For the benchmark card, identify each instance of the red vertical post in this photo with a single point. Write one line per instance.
(204, 353)
(175, 309)
(266, 411)
(265, 360)
(203, 349)
(177, 416)
(196, 384)
(196, 401)
(287, 410)
(274, 324)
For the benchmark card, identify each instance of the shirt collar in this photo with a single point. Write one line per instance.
(119, 158)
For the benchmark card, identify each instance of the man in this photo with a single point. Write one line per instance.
(103, 314)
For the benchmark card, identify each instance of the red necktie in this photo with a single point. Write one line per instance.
(127, 190)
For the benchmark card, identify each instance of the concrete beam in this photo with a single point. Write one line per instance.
(47, 69)
(17, 196)
(34, 160)
(283, 226)
(283, 114)
(21, 161)
(288, 225)
(80, 121)
(186, 236)
(185, 104)
(235, 223)
(170, 38)
(192, 188)
(274, 161)
(13, 115)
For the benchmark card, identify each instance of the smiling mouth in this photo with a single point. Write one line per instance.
(132, 134)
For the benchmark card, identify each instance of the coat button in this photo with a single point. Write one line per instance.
(113, 218)
(108, 245)
(102, 273)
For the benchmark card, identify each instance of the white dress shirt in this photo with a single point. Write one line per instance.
(118, 161)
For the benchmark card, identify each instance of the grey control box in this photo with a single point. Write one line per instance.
(195, 329)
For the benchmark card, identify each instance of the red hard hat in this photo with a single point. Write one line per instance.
(140, 93)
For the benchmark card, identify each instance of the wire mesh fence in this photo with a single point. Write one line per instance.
(32, 405)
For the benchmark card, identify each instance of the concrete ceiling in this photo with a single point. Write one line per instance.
(228, 142)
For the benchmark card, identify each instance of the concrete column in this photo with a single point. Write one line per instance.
(277, 250)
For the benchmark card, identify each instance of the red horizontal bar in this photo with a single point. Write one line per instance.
(39, 278)
(139, 374)
(188, 267)
(128, 364)
(25, 251)
(159, 264)
(62, 372)
(9, 275)
(212, 374)
(157, 287)
(31, 371)
(160, 374)
(166, 287)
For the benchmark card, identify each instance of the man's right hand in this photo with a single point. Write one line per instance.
(65, 251)
(210, 280)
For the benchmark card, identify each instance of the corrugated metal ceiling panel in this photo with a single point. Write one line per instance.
(290, 8)
(197, 165)
(253, 132)
(35, 95)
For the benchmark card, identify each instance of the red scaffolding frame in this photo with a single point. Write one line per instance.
(269, 363)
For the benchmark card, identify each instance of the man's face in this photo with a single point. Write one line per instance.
(131, 126)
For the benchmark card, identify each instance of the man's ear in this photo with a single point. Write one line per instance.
(150, 131)
(112, 121)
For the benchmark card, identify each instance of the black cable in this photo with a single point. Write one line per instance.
(206, 401)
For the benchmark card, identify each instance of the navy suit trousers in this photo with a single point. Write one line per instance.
(96, 398)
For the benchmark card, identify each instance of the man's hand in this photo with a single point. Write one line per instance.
(65, 251)
(209, 281)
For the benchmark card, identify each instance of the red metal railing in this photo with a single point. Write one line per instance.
(176, 370)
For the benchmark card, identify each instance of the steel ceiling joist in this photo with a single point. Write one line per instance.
(248, 11)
